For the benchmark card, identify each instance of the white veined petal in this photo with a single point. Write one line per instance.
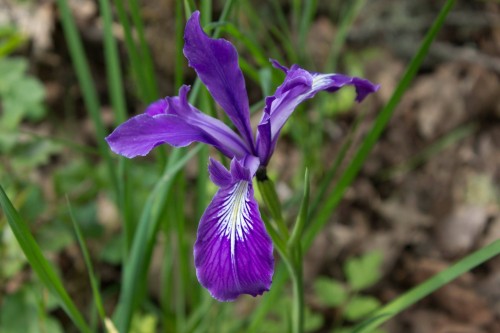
(234, 215)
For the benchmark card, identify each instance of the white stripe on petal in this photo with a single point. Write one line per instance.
(234, 215)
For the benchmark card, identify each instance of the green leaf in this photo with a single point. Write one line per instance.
(330, 292)
(20, 314)
(21, 95)
(12, 257)
(40, 265)
(144, 323)
(113, 250)
(424, 289)
(360, 307)
(312, 320)
(363, 272)
(12, 69)
(351, 171)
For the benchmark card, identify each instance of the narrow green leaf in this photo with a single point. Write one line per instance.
(88, 262)
(40, 265)
(135, 58)
(271, 200)
(431, 285)
(140, 254)
(146, 58)
(342, 32)
(301, 221)
(376, 130)
(88, 88)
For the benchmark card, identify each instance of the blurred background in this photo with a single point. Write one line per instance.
(427, 195)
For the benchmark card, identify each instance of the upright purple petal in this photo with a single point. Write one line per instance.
(233, 253)
(264, 138)
(216, 63)
(298, 86)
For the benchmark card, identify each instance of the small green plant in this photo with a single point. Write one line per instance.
(347, 296)
(21, 95)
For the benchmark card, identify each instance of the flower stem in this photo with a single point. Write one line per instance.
(271, 200)
(298, 292)
(292, 252)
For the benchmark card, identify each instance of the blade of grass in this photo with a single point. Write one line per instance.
(424, 289)
(132, 51)
(250, 44)
(199, 313)
(182, 271)
(140, 254)
(326, 181)
(179, 41)
(40, 265)
(341, 35)
(206, 10)
(376, 130)
(117, 96)
(167, 277)
(269, 300)
(89, 93)
(94, 284)
(308, 12)
(147, 60)
(113, 71)
(202, 179)
(279, 279)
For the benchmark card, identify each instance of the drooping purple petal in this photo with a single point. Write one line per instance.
(180, 106)
(174, 121)
(233, 253)
(298, 86)
(216, 63)
(140, 134)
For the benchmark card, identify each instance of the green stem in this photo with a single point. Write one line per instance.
(302, 217)
(298, 292)
(271, 200)
(292, 253)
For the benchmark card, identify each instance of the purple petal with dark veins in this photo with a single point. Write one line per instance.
(233, 253)
(298, 86)
(219, 175)
(216, 63)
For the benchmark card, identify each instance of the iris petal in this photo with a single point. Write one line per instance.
(219, 175)
(140, 134)
(233, 252)
(298, 86)
(174, 121)
(216, 63)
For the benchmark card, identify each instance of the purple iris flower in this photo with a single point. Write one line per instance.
(233, 253)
